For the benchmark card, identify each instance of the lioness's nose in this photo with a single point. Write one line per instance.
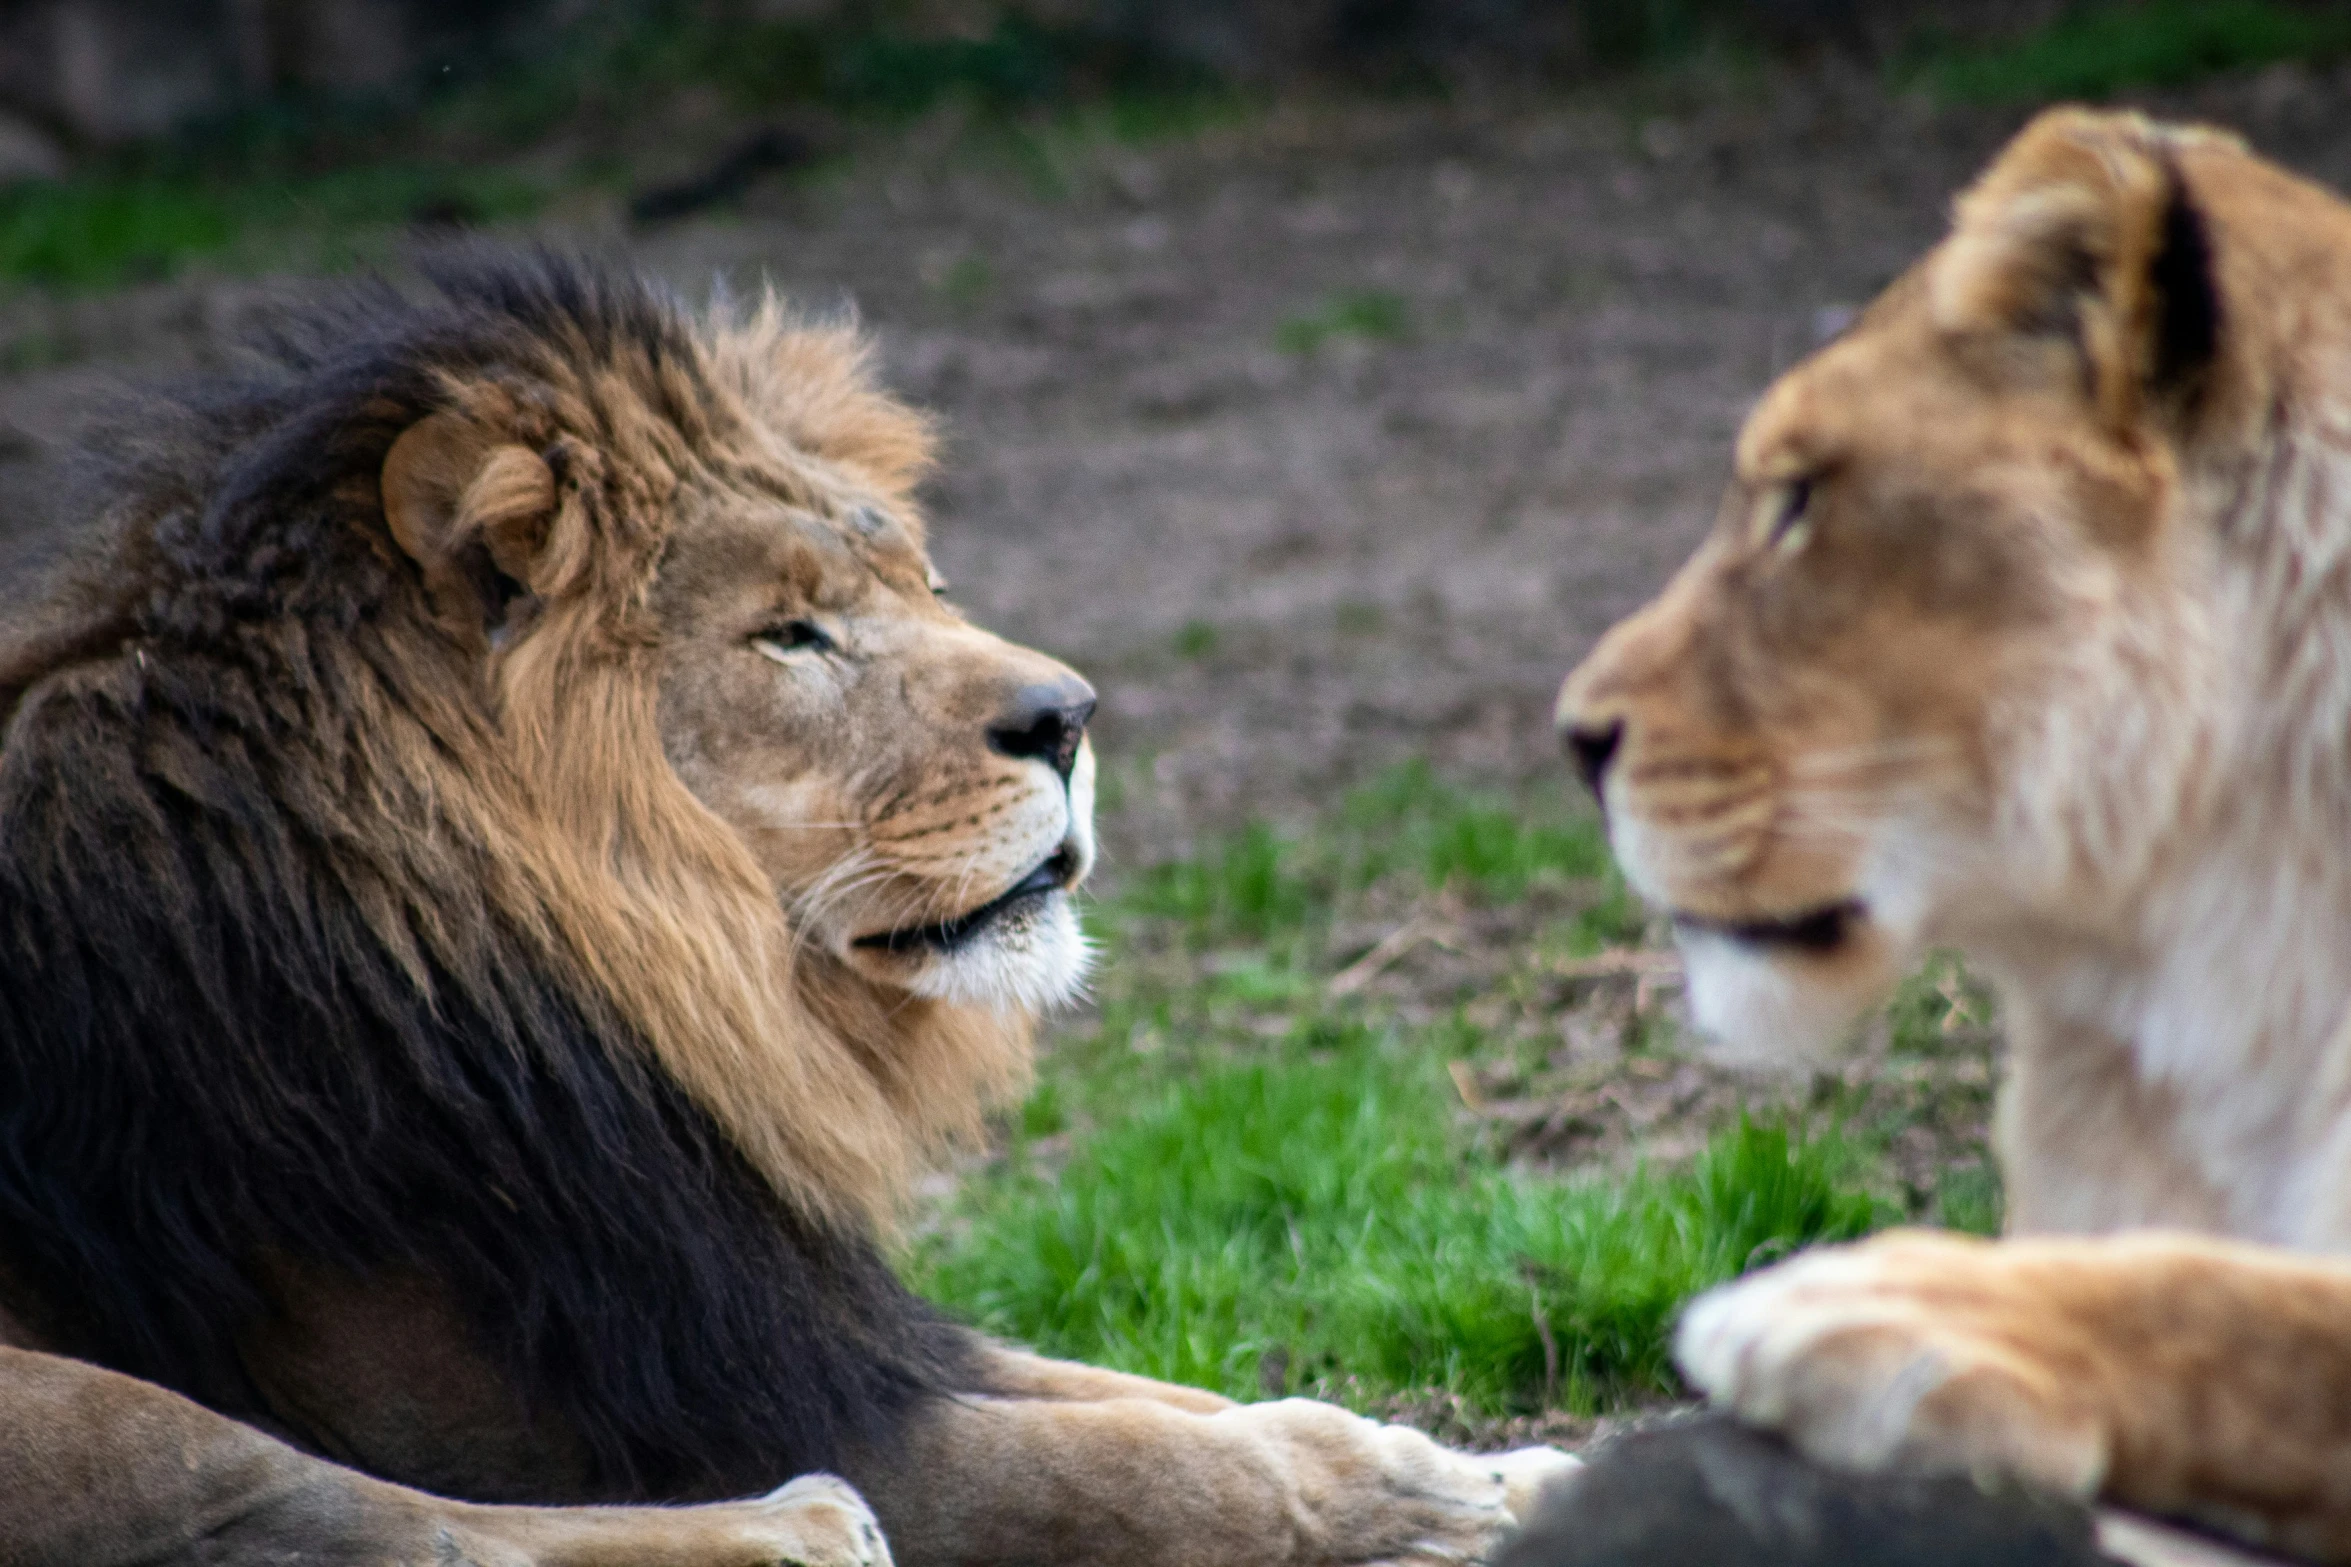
(1044, 723)
(1592, 747)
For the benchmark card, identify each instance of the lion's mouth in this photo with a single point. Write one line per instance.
(1053, 875)
(1819, 930)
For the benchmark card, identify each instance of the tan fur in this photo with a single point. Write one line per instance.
(2053, 665)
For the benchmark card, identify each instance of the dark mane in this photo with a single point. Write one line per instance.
(255, 1008)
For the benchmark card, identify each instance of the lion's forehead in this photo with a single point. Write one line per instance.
(825, 554)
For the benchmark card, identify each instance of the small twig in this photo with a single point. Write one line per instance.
(1465, 1083)
(1372, 964)
(1550, 1346)
(1620, 961)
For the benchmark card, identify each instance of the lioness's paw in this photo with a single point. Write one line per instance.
(1911, 1351)
(816, 1521)
(1388, 1496)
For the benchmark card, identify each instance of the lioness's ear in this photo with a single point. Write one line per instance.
(2083, 234)
(472, 511)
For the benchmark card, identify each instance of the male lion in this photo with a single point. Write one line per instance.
(2027, 629)
(506, 863)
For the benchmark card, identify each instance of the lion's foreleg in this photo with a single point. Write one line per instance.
(98, 1469)
(1143, 1482)
(1016, 1373)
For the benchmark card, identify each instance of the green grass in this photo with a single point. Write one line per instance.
(1231, 1178)
(1315, 1210)
(1410, 820)
(96, 234)
(2095, 51)
(1196, 640)
(1263, 886)
(966, 282)
(109, 229)
(1368, 315)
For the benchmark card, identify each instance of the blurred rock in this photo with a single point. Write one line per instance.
(28, 153)
(1708, 1490)
(1712, 1491)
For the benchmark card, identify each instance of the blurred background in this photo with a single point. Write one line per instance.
(1321, 376)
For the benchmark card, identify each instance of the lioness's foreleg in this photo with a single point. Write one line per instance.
(1149, 1482)
(2169, 1373)
(98, 1469)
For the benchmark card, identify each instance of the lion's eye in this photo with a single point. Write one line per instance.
(939, 584)
(1783, 518)
(780, 642)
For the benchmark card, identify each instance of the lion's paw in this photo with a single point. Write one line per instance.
(817, 1521)
(1917, 1352)
(1526, 1474)
(1388, 1496)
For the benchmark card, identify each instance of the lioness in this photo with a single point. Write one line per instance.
(2026, 629)
(507, 862)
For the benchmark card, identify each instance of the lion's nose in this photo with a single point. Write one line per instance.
(1592, 747)
(1044, 723)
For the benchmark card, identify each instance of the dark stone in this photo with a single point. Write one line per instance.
(773, 150)
(1710, 1491)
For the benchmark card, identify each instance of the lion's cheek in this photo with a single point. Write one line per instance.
(1776, 1008)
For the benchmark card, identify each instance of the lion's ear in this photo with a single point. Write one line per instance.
(2083, 236)
(472, 511)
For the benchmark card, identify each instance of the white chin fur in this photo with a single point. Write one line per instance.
(1027, 961)
(1765, 1013)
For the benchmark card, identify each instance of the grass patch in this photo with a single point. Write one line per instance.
(1196, 640)
(1278, 890)
(1310, 1221)
(1236, 1176)
(110, 229)
(1368, 315)
(2096, 51)
(96, 234)
(1410, 820)
(966, 281)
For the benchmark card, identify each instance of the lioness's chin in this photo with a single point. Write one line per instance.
(1785, 1003)
(1032, 958)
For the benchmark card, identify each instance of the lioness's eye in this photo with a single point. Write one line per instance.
(939, 584)
(780, 642)
(1782, 517)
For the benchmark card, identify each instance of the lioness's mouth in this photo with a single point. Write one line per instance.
(1814, 930)
(1054, 874)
